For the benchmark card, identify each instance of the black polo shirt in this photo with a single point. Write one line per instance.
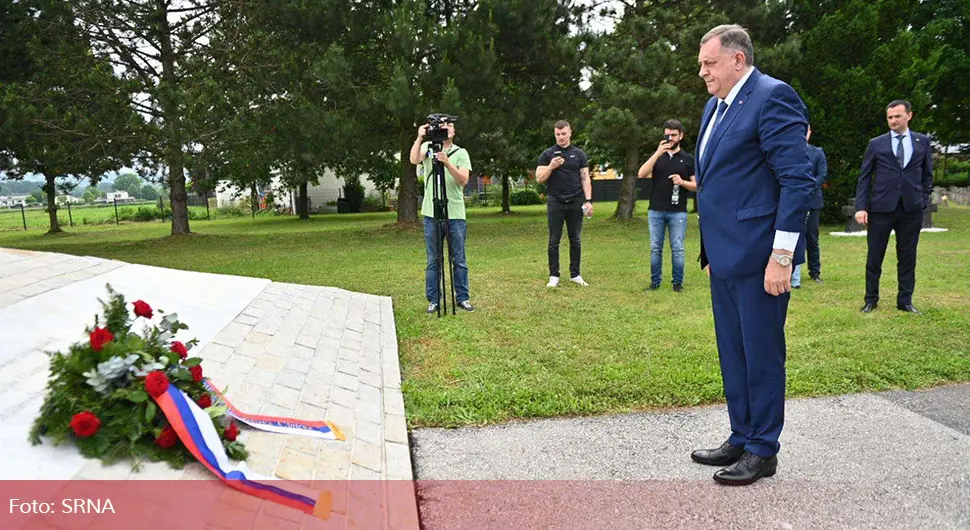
(564, 183)
(661, 196)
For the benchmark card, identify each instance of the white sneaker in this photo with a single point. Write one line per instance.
(578, 280)
(553, 281)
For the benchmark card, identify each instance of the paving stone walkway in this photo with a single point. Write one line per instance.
(280, 349)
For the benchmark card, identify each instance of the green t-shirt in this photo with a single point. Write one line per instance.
(456, 193)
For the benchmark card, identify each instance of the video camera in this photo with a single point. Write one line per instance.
(437, 132)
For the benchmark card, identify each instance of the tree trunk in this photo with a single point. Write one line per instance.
(407, 197)
(49, 189)
(302, 202)
(506, 205)
(173, 135)
(627, 202)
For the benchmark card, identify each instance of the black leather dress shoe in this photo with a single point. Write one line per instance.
(909, 309)
(868, 307)
(747, 470)
(817, 279)
(725, 455)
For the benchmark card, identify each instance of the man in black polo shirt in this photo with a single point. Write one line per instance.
(564, 169)
(672, 171)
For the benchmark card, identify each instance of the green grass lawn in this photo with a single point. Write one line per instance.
(11, 219)
(530, 351)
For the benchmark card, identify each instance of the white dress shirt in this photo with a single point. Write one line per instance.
(907, 145)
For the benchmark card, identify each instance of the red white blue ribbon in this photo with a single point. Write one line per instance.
(197, 432)
(317, 429)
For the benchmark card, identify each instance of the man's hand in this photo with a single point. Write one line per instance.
(556, 162)
(777, 278)
(443, 158)
(677, 180)
(422, 131)
(862, 217)
(664, 147)
(707, 269)
(588, 206)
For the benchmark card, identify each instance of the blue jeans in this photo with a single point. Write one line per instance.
(796, 276)
(660, 222)
(456, 253)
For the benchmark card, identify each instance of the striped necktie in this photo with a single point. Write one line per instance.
(900, 154)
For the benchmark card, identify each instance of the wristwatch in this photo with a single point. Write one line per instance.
(782, 259)
(589, 201)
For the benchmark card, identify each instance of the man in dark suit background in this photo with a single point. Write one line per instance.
(820, 171)
(754, 185)
(893, 190)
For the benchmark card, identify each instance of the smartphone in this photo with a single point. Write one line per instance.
(666, 137)
(556, 153)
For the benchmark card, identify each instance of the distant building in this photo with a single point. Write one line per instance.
(12, 201)
(323, 196)
(64, 199)
(119, 196)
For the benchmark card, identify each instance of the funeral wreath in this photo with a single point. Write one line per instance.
(100, 393)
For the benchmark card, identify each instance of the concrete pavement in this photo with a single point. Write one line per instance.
(895, 460)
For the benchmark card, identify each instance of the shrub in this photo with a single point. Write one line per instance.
(524, 196)
(354, 193)
(953, 179)
(146, 213)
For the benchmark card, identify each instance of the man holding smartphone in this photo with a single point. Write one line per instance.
(564, 169)
(672, 171)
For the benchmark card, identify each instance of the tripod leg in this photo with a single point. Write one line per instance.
(443, 306)
(451, 269)
(438, 265)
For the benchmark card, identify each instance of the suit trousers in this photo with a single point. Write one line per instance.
(907, 227)
(811, 244)
(750, 327)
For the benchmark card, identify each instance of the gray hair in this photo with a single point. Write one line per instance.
(733, 37)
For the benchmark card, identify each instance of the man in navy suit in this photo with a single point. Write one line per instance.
(754, 186)
(893, 190)
(820, 171)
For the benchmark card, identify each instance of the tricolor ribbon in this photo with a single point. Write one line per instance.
(317, 429)
(197, 432)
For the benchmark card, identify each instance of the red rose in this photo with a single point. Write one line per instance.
(142, 309)
(156, 383)
(167, 439)
(231, 432)
(100, 337)
(85, 424)
(196, 373)
(204, 401)
(179, 348)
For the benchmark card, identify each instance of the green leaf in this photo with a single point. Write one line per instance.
(216, 411)
(192, 361)
(138, 396)
(150, 411)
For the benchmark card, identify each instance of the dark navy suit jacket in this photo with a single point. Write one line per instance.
(754, 176)
(891, 184)
(820, 170)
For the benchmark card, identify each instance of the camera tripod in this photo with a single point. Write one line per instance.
(441, 235)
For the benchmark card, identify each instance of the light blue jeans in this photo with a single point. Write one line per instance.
(660, 223)
(796, 275)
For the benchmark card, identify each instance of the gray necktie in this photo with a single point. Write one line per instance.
(900, 154)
